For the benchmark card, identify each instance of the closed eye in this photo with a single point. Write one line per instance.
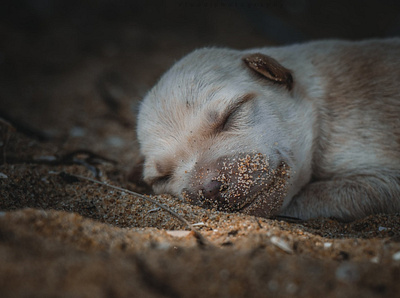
(230, 115)
(229, 118)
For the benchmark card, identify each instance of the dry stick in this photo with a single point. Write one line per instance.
(197, 234)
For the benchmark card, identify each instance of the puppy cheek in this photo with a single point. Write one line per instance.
(173, 187)
(162, 188)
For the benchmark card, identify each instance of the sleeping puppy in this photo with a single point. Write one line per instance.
(307, 130)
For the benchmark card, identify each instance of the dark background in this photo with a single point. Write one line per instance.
(74, 64)
(57, 34)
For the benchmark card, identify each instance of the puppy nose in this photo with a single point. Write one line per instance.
(211, 190)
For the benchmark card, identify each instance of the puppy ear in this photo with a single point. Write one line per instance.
(269, 68)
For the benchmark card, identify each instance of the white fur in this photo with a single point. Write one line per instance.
(322, 133)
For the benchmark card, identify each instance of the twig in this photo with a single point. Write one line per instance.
(201, 240)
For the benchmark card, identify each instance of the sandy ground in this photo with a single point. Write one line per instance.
(70, 92)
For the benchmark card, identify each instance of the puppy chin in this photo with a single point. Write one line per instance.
(246, 183)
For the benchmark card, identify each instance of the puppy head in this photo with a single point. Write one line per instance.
(213, 132)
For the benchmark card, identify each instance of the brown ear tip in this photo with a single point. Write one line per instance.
(249, 61)
(269, 68)
(254, 60)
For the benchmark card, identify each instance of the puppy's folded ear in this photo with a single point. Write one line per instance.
(269, 68)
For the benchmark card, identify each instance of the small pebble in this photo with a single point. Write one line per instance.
(3, 176)
(77, 131)
(282, 244)
(163, 246)
(396, 256)
(115, 141)
(198, 224)
(178, 233)
(347, 272)
(45, 158)
(154, 210)
(44, 179)
(374, 260)
(291, 288)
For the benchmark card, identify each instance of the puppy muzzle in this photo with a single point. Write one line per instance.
(243, 183)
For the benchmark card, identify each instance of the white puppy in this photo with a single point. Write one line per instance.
(306, 130)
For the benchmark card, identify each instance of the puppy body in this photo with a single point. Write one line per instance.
(323, 115)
